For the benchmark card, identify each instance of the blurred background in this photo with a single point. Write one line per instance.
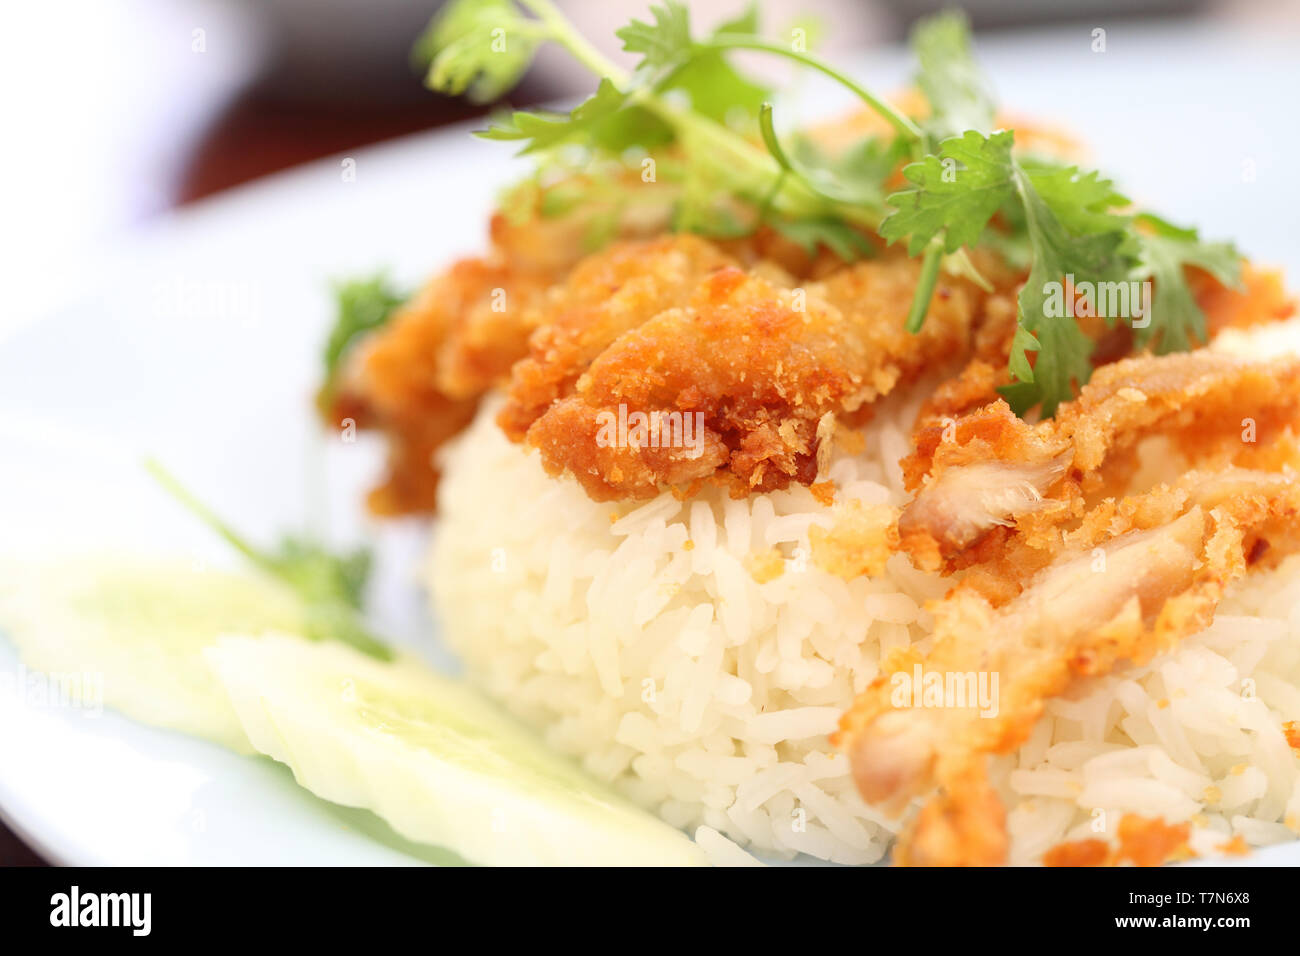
(117, 112)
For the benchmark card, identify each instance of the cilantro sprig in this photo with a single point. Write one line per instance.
(976, 189)
(329, 585)
(950, 77)
(362, 305)
(1075, 225)
(683, 91)
(968, 184)
(952, 197)
(1164, 253)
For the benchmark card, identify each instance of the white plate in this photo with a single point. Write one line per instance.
(198, 341)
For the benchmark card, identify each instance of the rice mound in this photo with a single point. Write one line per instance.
(636, 638)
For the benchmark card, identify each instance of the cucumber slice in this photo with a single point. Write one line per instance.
(438, 763)
(136, 629)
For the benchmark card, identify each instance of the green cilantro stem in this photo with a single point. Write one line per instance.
(579, 47)
(902, 125)
(205, 514)
(729, 152)
(757, 174)
(925, 287)
(849, 207)
(330, 613)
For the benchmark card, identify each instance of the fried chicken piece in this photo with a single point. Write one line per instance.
(990, 470)
(1142, 575)
(469, 324)
(962, 826)
(610, 293)
(1261, 299)
(418, 379)
(762, 364)
(391, 384)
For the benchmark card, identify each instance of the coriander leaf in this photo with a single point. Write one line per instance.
(1080, 201)
(951, 79)
(662, 42)
(602, 229)
(1021, 344)
(313, 570)
(477, 47)
(329, 585)
(745, 23)
(953, 194)
(363, 305)
(810, 234)
(704, 210)
(1064, 352)
(1022, 395)
(715, 88)
(631, 127)
(855, 175)
(601, 121)
(1069, 230)
(1176, 318)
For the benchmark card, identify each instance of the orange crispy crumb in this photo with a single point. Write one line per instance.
(1237, 846)
(1142, 841)
(1078, 853)
(1291, 730)
(859, 543)
(824, 492)
(1148, 841)
(766, 565)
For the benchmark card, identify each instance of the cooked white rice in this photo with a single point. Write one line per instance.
(636, 639)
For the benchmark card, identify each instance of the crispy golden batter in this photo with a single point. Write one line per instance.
(990, 475)
(391, 383)
(610, 293)
(418, 379)
(1260, 299)
(762, 363)
(1136, 578)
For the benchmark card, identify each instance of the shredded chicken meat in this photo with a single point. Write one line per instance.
(1130, 582)
(990, 471)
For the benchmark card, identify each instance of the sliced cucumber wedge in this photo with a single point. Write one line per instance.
(138, 627)
(440, 764)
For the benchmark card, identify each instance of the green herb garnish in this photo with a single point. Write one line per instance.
(1176, 318)
(363, 306)
(967, 184)
(330, 586)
